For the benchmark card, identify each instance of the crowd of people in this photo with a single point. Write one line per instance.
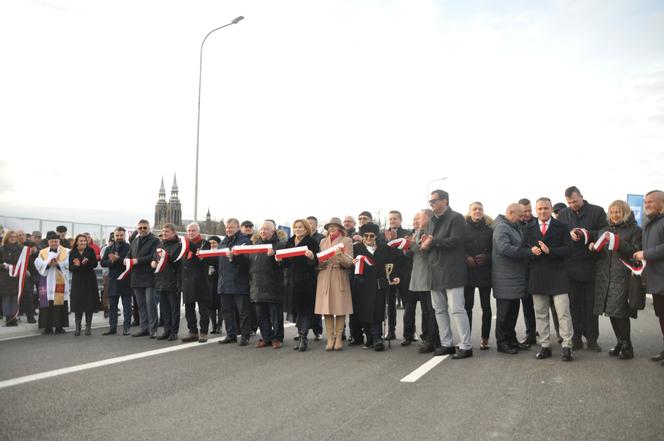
(570, 261)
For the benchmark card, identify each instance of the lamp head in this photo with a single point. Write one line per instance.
(237, 19)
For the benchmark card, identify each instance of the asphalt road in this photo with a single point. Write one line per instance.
(227, 392)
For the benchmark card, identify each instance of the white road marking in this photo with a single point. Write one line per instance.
(420, 371)
(109, 361)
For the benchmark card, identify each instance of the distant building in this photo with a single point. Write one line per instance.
(171, 212)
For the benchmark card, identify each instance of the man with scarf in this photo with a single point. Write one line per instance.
(53, 265)
(194, 286)
(373, 262)
(167, 282)
(113, 259)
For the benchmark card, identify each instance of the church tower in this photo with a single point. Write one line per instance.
(160, 207)
(173, 208)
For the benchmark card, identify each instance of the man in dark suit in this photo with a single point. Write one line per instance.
(141, 252)
(550, 242)
(113, 259)
(581, 215)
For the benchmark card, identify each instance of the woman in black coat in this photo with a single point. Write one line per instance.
(612, 277)
(478, 244)
(301, 280)
(9, 254)
(84, 294)
(213, 281)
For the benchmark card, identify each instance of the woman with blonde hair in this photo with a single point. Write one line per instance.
(612, 277)
(333, 298)
(301, 280)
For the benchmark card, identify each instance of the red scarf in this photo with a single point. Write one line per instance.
(334, 236)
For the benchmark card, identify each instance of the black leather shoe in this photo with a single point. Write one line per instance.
(566, 354)
(462, 353)
(110, 332)
(444, 350)
(426, 348)
(390, 336)
(658, 357)
(244, 341)
(227, 340)
(145, 333)
(543, 353)
(615, 351)
(406, 342)
(164, 336)
(507, 349)
(379, 346)
(626, 351)
(356, 342)
(592, 346)
(528, 341)
(173, 337)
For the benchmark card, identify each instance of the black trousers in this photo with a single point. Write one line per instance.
(270, 320)
(391, 299)
(190, 315)
(433, 337)
(355, 327)
(169, 307)
(409, 315)
(229, 304)
(485, 302)
(27, 305)
(317, 324)
(79, 315)
(529, 316)
(581, 303)
(507, 313)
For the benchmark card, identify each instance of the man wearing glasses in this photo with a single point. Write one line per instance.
(443, 242)
(141, 252)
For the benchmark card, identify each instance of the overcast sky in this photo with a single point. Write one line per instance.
(325, 107)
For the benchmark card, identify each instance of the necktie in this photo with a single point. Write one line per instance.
(543, 228)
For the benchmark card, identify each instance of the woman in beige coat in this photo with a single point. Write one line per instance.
(333, 289)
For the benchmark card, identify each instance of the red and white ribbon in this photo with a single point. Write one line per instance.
(360, 263)
(636, 270)
(328, 253)
(163, 259)
(252, 249)
(287, 253)
(610, 239)
(129, 264)
(202, 254)
(400, 243)
(184, 247)
(20, 270)
(585, 233)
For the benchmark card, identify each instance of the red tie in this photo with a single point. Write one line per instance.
(543, 228)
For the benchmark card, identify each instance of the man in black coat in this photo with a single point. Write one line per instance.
(443, 242)
(581, 265)
(113, 259)
(370, 284)
(234, 286)
(168, 282)
(194, 286)
(141, 252)
(550, 244)
(653, 253)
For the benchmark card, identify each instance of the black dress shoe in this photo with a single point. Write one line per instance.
(110, 332)
(615, 351)
(507, 349)
(566, 354)
(529, 341)
(227, 340)
(356, 342)
(444, 350)
(125, 332)
(47, 331)
(543, 353)
(141, 334)
(164, 336)
(462, 353)
(593, 346)
(426, 348)
(173, 336)
(60, 330)
(379, 346)
(406, 342)
(658, 357)
(244, 341)
(390, 336)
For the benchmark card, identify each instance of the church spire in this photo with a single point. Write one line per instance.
(174, 188)
(162, 190)
(208, 216)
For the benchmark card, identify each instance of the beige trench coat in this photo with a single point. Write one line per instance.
(333, 288)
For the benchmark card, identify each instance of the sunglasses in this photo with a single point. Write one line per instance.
(369, 235)
(433, 201)
(142, 228)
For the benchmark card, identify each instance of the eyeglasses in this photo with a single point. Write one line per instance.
(433, 201)
(142, 228)
(369, 235)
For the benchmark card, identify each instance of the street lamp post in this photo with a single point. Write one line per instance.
(198, 120)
